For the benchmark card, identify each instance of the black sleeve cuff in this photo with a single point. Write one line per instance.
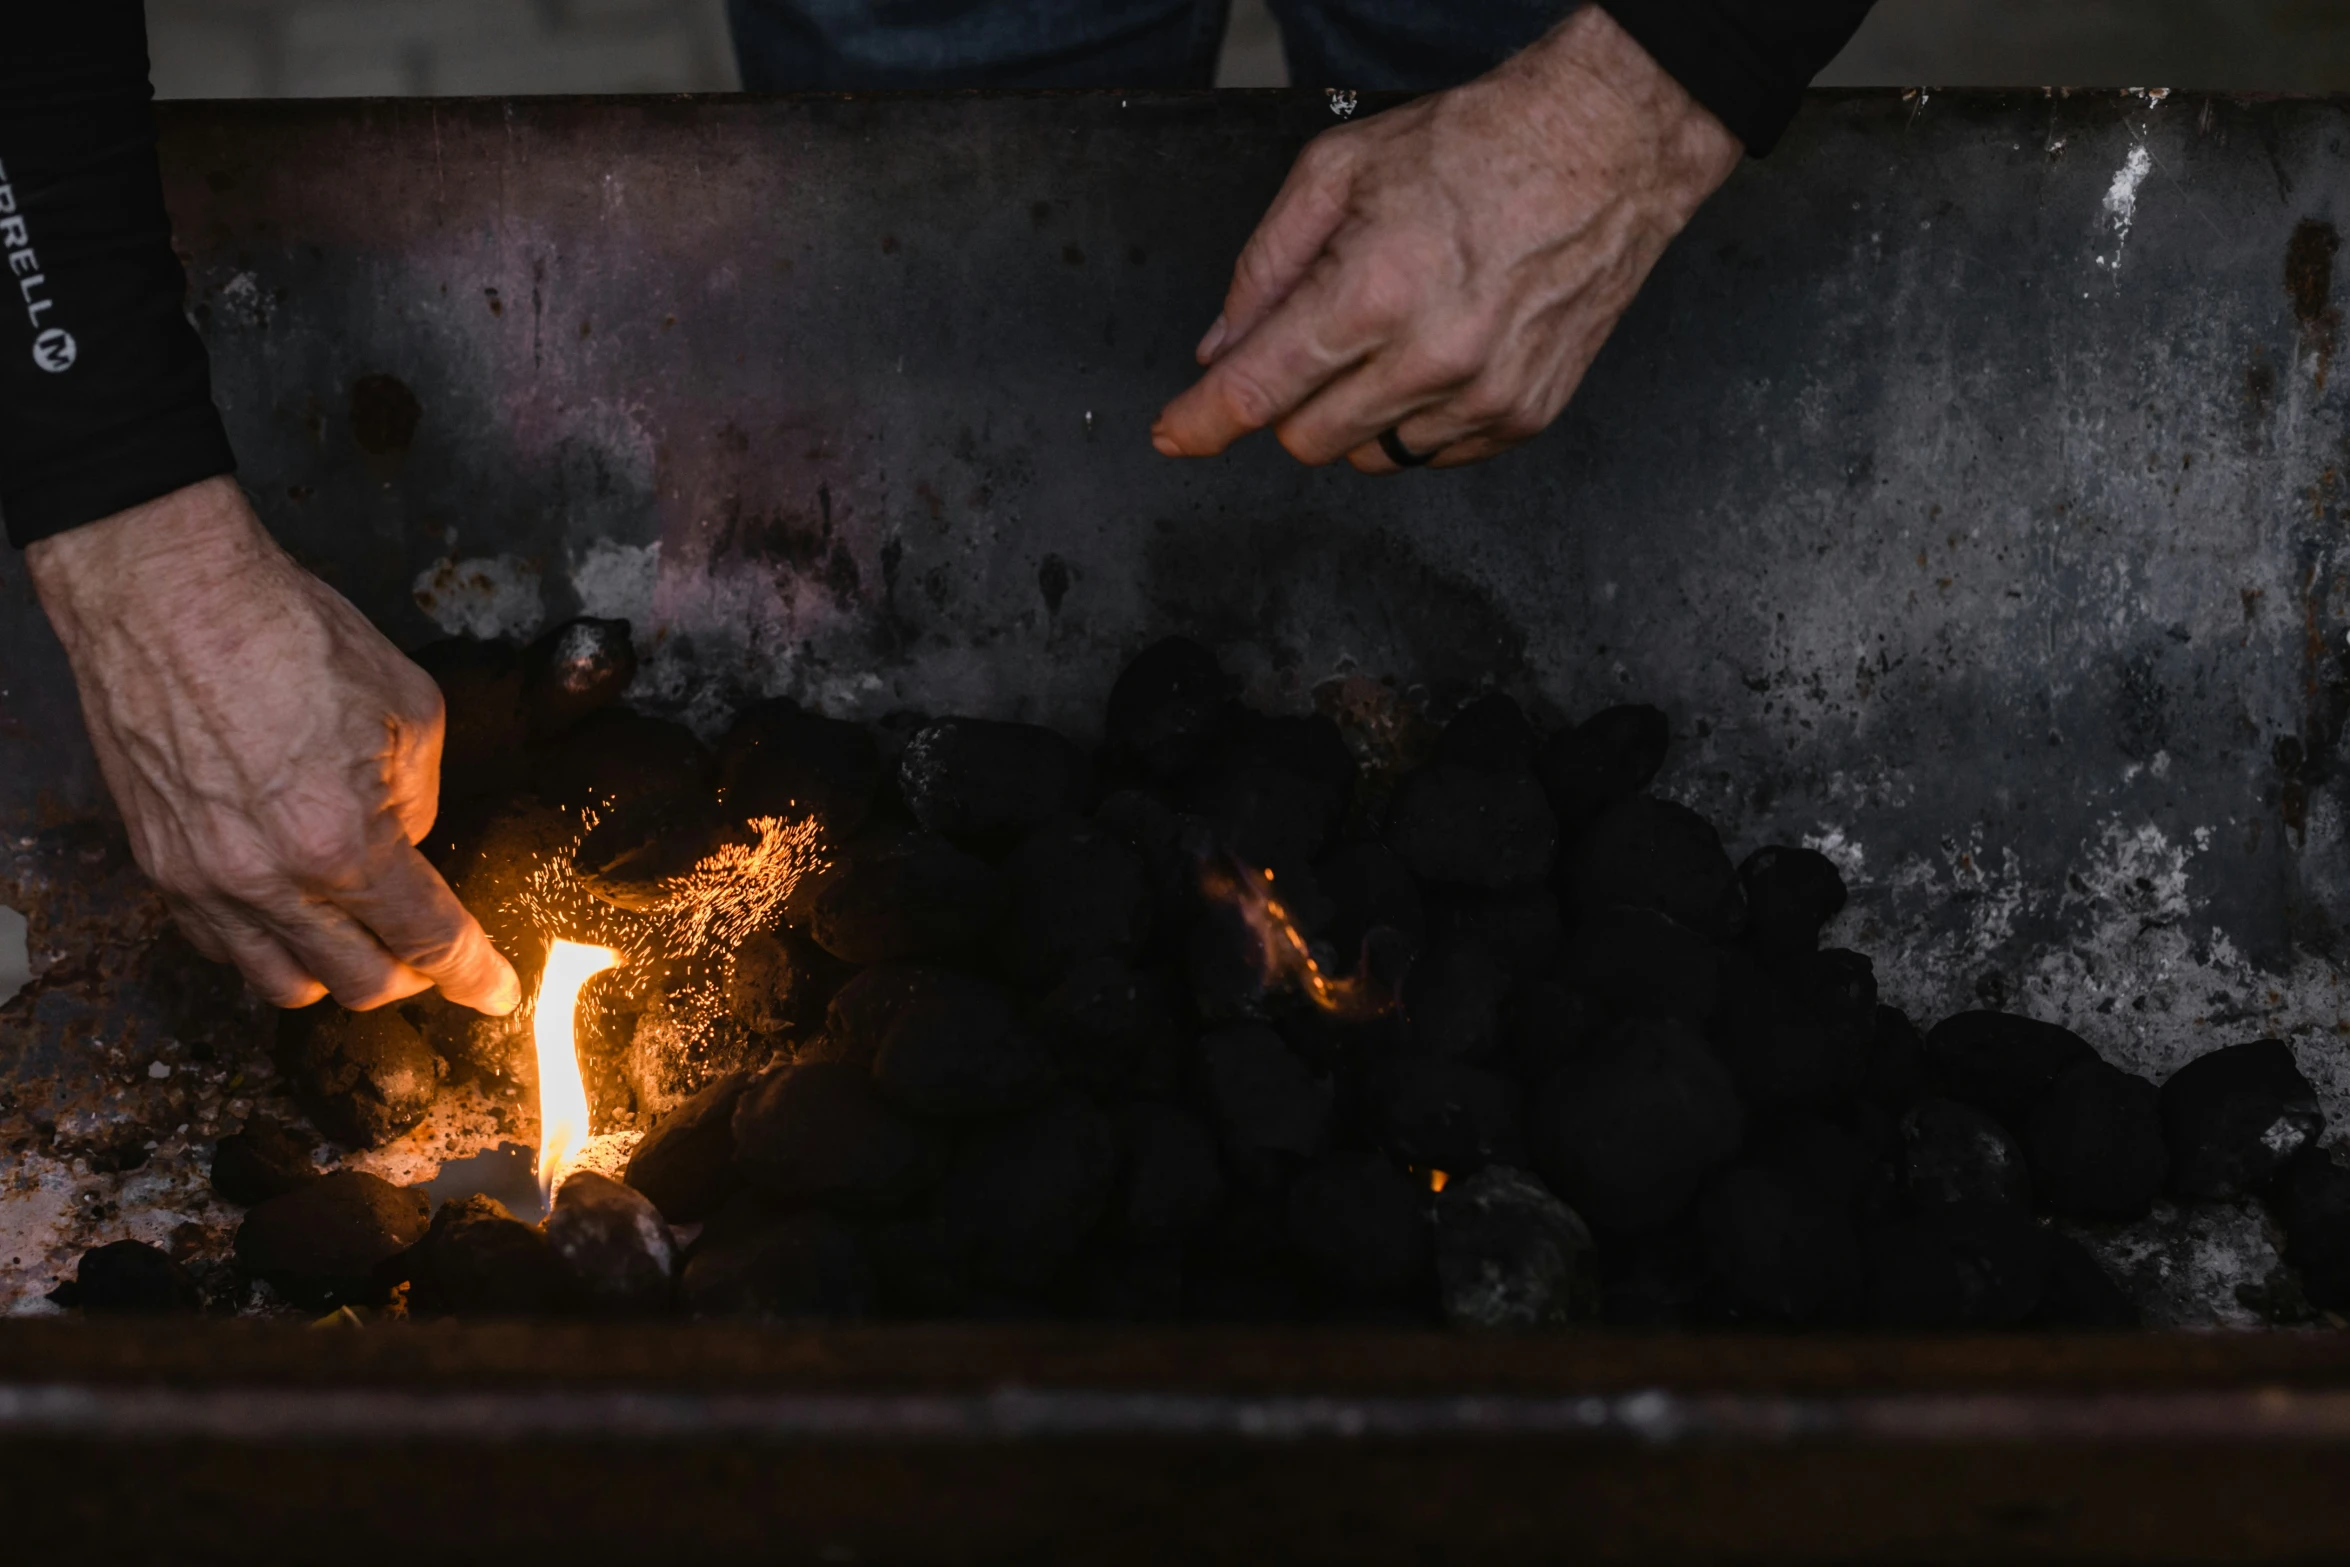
(1747, 61)
(165, 450)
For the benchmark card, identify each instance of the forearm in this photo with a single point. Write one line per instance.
(1747, 61)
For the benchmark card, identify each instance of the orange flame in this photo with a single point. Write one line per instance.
(563, 1106)
(1287, 957)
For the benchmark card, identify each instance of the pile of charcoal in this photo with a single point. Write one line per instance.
(1219, 1021)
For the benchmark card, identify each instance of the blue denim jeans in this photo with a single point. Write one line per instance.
(834, 45)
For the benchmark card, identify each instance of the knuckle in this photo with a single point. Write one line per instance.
(1382, 287)
(1248, 401)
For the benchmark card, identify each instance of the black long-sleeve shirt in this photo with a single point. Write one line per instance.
(105, 391)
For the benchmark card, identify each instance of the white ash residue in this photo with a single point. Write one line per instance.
(2190, 1265)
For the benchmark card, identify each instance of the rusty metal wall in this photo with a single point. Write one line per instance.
(1966, 484)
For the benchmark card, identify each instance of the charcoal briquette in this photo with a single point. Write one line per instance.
(1661, 1279)
(618, 755)
(1141, 1283)
(1521, 927)
(953, 1049)
(1453, 997)
(1637, 962)
(2078, 1294)
(1369, 889)
(1783, 1248)
(342, 1239)
(1272, 1113)
(364, 1077)
(2232, 1119)
(133, 1279)
(1603, 761)
(1241, 1268)
(1110, 1031)
(916, 896)
(639, 850)
(1224, 967)
(971, 777)
(2000, 1062)
(1954, 1153)
(1167, 840)
(1800, 1034)
(478, 1260)
(262, 1161)
(1952, 1268)
(483, 725)
(1490, 734)
(1025, 1191)
(777, 1267)
(2310, 1198)
(1510, 1256)
(685, 1164)
(1273, 790)
(1655, 854)
(781, 983)
(780, 760)
(1072, 890)
(488, 860)
(1169, 1179)
(1362, 1228)
(1895, 1076)
(1627, 1131)
(1834, 1160)
(2096, 1144)
(1165, 706)
(612, 1247)
(575, 669)
(1544, 1025)
(1790, 894)
(1435, 1113)
(1451, 822)
(818, 1132)
(864, 1009)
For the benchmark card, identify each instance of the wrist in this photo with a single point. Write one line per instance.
(1595, 69)
(174, 550)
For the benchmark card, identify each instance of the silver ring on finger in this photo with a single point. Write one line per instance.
(1401, 455)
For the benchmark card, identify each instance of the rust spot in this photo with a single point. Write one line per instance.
(497, 305)
(585, 330)
(2309, 279)
(384, 416)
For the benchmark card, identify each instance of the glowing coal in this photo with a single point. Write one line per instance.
(1287, 957)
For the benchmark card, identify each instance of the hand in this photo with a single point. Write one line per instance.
(1450, 268)
(274, 757)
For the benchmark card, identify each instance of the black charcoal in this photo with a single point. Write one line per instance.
(1955, 1268)
(1604, 760)
(1072, 891)
(1440, 1114)
(780, 982)
(133, 1279)
(2095, 1140)
(2078, 1294)
(2311, 1200)
(970, 777)
(1800, 1035)
(922, 1267)
(1109, 1029)
(1024, 1191)
(1522, 927)
(1273, 790)
(1510, 1256)
(778, 1267)
(1169, 1179)
(1639, 963)
(1490, 734)
(1790, 894)
(1954, 1153)
(1999, 1062)
(1451, 822)
(1453, 997)
(1654, 854)
(612, 1247)
(817, 1132)
(364, 1077)
(1225, 967)
(1661, 1279)
(1831, 1159)
(1271, 1111)
(863, 1010)
(488, 863)
(1168, 842)
(479, 1260)
(1895, 1076)
(1628, 1131)
(1143, 1283)
(1165, 706)
(954, 1050)
(614, 755)
(1544, 1025)
(637, 854)
(264, 1160)
(1782, 1247)
(2234, 1117)
(917, 896)
(483, 726)
(340, 1240)
(781, 760)
(573, 670)
(1369, 888)
(685, 1164)
(1362, 1228)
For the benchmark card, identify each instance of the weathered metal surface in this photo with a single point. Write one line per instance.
(1965, 484)
(156, 1442)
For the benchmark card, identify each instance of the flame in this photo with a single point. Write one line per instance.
(1436, 1180)
(563, 1106)
(1287, 955)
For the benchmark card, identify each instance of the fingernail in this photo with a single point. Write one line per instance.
(508, 996)
(1210, 343)
(1165, 445)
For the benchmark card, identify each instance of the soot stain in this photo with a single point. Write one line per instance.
(384, 417)
(1052, 580)
(2309, 281)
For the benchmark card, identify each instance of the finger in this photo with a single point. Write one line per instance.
(1402, 388)
(1305, 213)
(197, 929)
(415, 915)
(1314, 336)
(275, 974)
(358, 971)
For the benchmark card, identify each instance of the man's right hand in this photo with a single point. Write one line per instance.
(275, 758)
